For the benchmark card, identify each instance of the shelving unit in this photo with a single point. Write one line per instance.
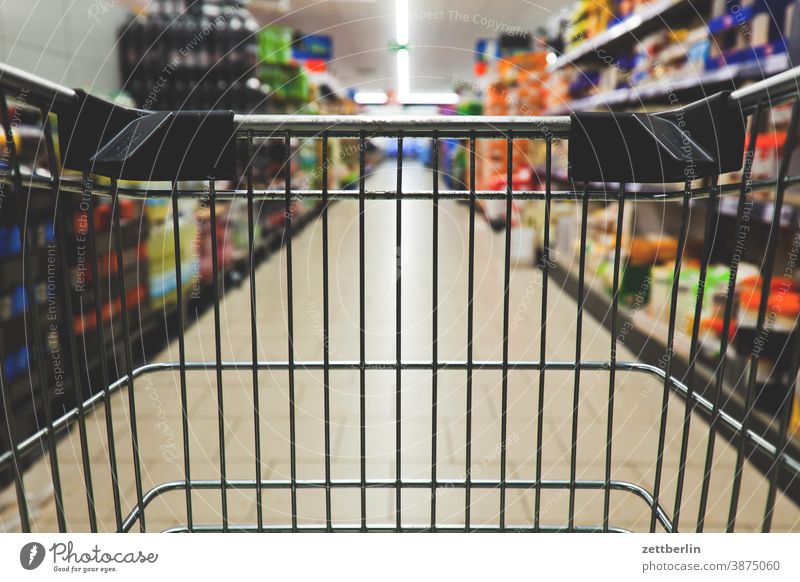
(681, 87)
(657, 15)
(200, 55)
(649, 335)
(737, 50)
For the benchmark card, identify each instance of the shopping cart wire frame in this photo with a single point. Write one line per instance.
(100, 139)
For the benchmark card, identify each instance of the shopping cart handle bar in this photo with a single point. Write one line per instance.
(26, 84)
(773, 89)
(699, 140)
(408, 125)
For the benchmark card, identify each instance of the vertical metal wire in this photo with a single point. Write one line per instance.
(545, 266)
(326, 338)
(708, 243)
(435, 327)
(783, 425)
(744, 195)
(398, 336)
(98, 304)
(577, 385)
(612, 361)
(32, 311)
(470, 330)
(673, 307)
(80, 395)
(176, 237)
(506, 301)
(766, 277)
(287, 145)
(362, 339)
(126, 350)
(251, 245)
(62, 232)
(218, 353)
(783, 434)
(19, 483)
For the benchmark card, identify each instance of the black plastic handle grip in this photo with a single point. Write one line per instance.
(702, 139)
(104, 138)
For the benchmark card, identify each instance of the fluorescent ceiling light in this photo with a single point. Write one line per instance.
(404, 94)
(371, 98)
(403, 72)
(402, 34)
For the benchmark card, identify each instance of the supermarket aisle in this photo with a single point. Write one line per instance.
(636, 414)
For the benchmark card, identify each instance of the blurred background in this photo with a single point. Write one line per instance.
(414, 57)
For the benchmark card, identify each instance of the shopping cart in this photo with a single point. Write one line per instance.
(98, 151)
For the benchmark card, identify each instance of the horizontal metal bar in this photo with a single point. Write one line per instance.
(22, 81)
(702, 404)
(599, 194)
(246, 484)
(445, 126)
(376, 528)
(772, 89)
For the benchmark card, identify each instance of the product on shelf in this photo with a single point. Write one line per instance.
(671, 57)
(636, 277)
(200, 58)
(588, 19)
(161, 252)
(747, 30)
(519, 90)
(275, 45)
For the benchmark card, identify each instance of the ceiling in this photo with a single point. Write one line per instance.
(443, 34)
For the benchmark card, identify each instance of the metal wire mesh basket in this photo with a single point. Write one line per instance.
(85, 468)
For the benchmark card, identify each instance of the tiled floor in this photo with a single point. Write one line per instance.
(636, 414)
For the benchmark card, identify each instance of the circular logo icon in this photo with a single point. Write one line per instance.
(31, 555)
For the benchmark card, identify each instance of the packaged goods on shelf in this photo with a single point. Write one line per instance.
(454, 163)
(589, 18)
(201, 58)
(285, 82)
(627, 8)
(203, 275)
(275, 44)
(518, 90)
(161, 252)
(668, 55)
(643, 255)
(132, 281)
(663, 277)
(659, 54)
(697, 45)
(749, 30)
(783, 305)
(284, 59)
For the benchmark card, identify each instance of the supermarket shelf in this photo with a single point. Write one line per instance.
(761, 210)
(650, 18)
(160, 324)
(650, 334)
(661, 90)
